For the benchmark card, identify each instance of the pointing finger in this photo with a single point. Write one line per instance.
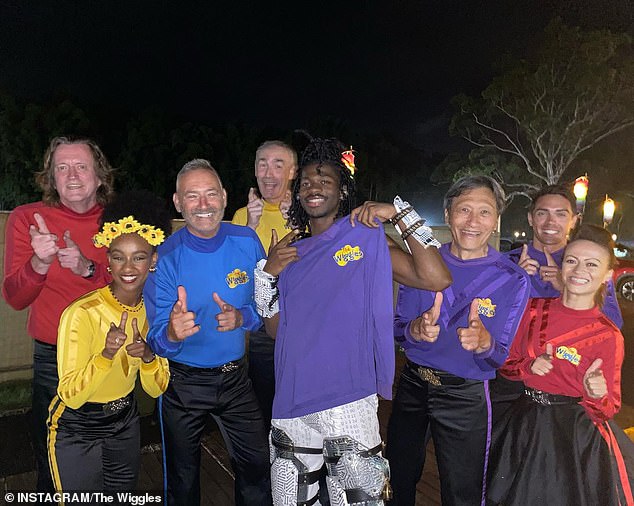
(124, 319)
(274, 239)
(182, 298)
(41, 224)
(549, 349)
(135, 329)
(69, 242)
(288, 238)
(549, 259)
(524, 254)
(252, 195)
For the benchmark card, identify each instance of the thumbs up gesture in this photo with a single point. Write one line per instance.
(594, 381)
(551, 272)
(424, 328)
(44, 245)
(115, 337)
(475, 337)
(229, 317)
(71, 258)
(254, 209)
(530, 265)
(543, 364)
(182, 322)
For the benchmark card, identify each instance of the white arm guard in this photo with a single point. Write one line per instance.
(266, 292)
(423, 234)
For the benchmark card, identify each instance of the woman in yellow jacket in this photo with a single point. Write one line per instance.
(94, 426)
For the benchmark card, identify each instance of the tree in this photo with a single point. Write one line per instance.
(546, 110)
(25, 132)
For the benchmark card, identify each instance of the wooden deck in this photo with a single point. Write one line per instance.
(216, 476)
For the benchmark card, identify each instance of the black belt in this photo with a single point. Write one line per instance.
(365, 453)
(49, 346)
(234, 365)
(434, 376)
(547, 399)
(108, 408)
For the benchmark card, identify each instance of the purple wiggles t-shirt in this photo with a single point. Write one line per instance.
(544, 289)
(503, 289)
(334, 340)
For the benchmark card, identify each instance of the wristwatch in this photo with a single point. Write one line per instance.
(91, 270)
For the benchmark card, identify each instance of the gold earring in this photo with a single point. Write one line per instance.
(108, 269)
(153, 268)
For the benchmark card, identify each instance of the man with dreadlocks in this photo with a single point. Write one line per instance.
(326, 295)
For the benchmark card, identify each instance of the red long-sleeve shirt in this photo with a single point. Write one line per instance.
(47, 295)
(578, 338)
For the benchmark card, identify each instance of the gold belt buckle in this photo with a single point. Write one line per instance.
(429, 376)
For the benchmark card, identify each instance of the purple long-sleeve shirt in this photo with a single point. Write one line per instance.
(544, 289)
(503, 289)
(334, 340)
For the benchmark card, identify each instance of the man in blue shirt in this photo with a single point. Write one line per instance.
(200, 305)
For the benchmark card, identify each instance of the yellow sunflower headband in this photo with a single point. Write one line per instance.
(128, 225)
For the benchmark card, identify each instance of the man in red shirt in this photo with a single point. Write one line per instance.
(50, 261)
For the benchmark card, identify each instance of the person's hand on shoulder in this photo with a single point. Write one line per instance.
(369, 212)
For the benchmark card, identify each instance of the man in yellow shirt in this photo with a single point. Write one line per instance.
(275, 168)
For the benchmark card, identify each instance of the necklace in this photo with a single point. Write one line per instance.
(138, 307)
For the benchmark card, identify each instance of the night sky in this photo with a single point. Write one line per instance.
(389, 65)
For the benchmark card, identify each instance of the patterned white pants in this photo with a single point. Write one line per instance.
(357, 420)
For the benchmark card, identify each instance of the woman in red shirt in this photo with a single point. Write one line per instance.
(558, 444)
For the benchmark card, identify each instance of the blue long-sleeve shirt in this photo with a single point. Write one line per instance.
(503, 290)
(223, 264)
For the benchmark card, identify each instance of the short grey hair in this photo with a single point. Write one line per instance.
(473, 182)
(276, 144)
(197, 164)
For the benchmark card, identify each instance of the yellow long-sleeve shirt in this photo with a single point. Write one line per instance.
(271, 219)
(85, 375)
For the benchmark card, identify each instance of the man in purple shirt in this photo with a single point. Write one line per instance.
(552, 218)
(334, 349)
(454, 341)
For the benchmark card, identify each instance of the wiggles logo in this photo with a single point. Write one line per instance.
(236, 277)
(486, 308)
(569, 354)
(347, 254)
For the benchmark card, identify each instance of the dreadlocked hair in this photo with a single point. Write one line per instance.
(143, 205)
(322, 152)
